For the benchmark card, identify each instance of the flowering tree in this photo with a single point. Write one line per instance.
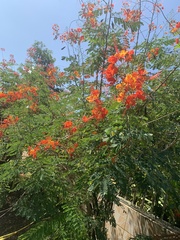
(67, 157)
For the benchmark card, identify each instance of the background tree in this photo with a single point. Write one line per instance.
(40, 55)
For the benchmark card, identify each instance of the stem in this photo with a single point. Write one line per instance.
(106, 43)
(149, 32)
(160, 118)
(138, 33)
(155, 90)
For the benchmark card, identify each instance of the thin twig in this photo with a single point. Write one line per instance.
(162, 83)
(160, 118)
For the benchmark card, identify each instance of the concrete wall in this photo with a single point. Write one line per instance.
(131, 221)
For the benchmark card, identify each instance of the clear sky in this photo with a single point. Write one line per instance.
(24, 21)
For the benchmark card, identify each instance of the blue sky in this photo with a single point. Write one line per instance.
(24, 21)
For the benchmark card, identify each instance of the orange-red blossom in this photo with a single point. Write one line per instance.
(98, 112)
(86, 119)
(131, 88)
(33, 151)
(110, 72)
(152, 53)
(23, 92)
(68, 124)
(94, 95)
(72, 149)
(10, 120)
(46, 144)
(131, 15)
(175, 29)
(112, 69)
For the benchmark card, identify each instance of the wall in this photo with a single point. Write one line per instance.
(131, 221)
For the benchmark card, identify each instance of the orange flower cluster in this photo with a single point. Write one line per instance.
(176, 28)
(86, 119)
(51, 72)
(131, 88)
(23, 92)
(33, 151)
(33, 107)
(76, 73)
(112, 69)
(44, 144)
(54, 95)
(98, 112)
(125, 55)
(94, 95)
(3, 95)
(131, 15)
(88, 14)
(55, 28)
(110, 72)
(72, 149)
(61, 74)
(48, 143)
(69, 125)
(153, 53)
(10, 120)
(73, 36)
(88, 10)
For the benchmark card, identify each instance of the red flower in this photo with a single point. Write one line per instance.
(178, 25)
(86, 119)
(72, 149)
(130, 101)
(10, 120)
(34, 107)
(48, 143)
(110, 72)
(112, 59)
(131, 88)
(152, 53)
(129, 56)
(33, 151)
(2, 95)
(177, 40)
(140, 94)
(68, 124)
(73, 129)
(94, 95)
(99, 112)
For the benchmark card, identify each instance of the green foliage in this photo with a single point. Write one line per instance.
(63, 163)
